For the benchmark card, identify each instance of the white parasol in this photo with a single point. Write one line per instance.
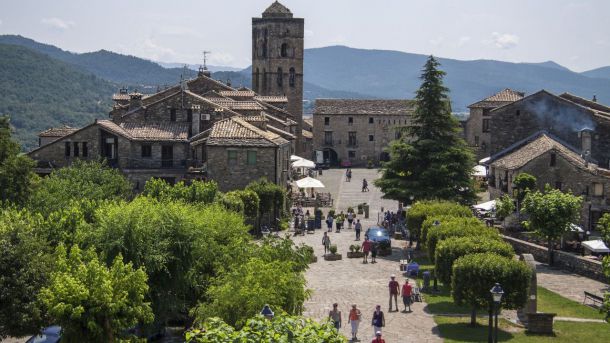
(295, 158)
(303, 163)
(309, 182)
(595, 246)
(479, 171)
(486, 206)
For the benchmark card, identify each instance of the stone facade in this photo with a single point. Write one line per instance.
(354, 132)
(277, 60)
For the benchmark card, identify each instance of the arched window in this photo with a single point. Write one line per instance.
(284, 50)
(291, 77)
(256, 80)
(280, 77)
(264, 80)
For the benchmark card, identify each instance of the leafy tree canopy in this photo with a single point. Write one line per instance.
(422, 210)
(457, 227)
(16, 176)
(505, 206)
(196, 192)
(524, 182)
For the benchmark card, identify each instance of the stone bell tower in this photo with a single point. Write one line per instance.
(277, 60)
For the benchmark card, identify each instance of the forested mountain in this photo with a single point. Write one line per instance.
(602, 73)
(39, 92)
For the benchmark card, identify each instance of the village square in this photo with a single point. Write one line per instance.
(212, 211)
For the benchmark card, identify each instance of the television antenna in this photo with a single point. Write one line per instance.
(205, 59)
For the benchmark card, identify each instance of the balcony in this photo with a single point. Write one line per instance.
(328, 142)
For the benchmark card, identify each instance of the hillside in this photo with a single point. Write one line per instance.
(602, 73)
(39, 92)
(394, 74)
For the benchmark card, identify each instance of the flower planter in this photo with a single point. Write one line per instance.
(355, 254)
(314, 259)
(332, 257)
(384, 252)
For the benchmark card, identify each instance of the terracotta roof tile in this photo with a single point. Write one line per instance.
(271, 98)
(238, 93)
(360, 106)
(236, 131)
(57, 131)
(501, 98)
(165, 131)
(277, 10)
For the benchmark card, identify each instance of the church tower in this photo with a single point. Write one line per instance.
(277, 60)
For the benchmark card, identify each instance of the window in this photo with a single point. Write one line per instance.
(598, 189)
(85, 149)
(146, 150)
(553, 159)
(280, 77)
(351, 138)
(76, 152)
(172, 114)
(351, 154)
(518, 113)
(476, 140)
(558, 185)
(291, 77)
(232, 157)
(485, 125)
(251, 157)
(67, 149)
(189, 115)
(485, 111)
(397, 134)
(327, 121)
(350, 120)
(284, 50)
(256, 79)
(328, 137)
(371, 120)
(371, 138)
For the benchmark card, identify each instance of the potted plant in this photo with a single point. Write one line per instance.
(360, 210)
(332, 213)
(354, 252)
(333, 256)
(369, 164)
(350, 210)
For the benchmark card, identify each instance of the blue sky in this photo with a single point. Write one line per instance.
(573, 33)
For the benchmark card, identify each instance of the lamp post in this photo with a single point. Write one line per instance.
(496, 294)
(435, 285)
(267, 313)
(411, 197)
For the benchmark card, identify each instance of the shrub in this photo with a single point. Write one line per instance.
(422, 209)
(196, 192)
(331, 212)
(505, 206)
(430, 221)
(333, 249)
(231, 201)
(457, 227)
(450, 249)
(474, 275)
(357, 248)
(350, 210)
(352, 248)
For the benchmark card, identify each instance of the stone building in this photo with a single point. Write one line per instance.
(277, 60)
(476, 129)
(557, 164)
(202, 128)
(354, 131)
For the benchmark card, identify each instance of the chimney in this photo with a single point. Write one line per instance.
(594, 98)
(135, 101)
(203, 71)
(585, 143)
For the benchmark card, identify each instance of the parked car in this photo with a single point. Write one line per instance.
(50, 334)
(381, 237)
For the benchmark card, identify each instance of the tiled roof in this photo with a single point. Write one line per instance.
(586, 102)
(533, 147)
(501, 98)
(307, 134)
(120, 96)
(236, 105)
(165, 131)
(57, 131)
(359, 106)
(272, 98)
(236, 131)
(277, 10)
(238, 93)
(259, 118)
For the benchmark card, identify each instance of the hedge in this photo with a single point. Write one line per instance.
(429, 223)
(450, 249)
(421, 210)
(457, 227)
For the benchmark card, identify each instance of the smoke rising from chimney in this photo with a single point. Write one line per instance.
(559, 117)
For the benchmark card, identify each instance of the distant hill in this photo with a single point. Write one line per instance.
(394, 74)
(39, 92)
(601, 73)
(211, 68)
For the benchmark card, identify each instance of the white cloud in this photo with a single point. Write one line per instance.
(221, 58)
(0, 21)
(504, 40)
(57, 23)
(463, 41)
(156, 52)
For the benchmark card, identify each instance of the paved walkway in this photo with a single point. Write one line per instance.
(350, 281)
(568, 284)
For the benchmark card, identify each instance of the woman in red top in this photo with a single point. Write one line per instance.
(366, 248)
(407, 292)
(378, 338)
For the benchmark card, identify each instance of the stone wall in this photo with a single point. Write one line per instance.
(566, 261)
(384, 129)
(55, 152)
(475, 137)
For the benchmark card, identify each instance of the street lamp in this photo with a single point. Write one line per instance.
(435, 285)
(267, 313)
(496, 295)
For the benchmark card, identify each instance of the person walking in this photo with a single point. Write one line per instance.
(350, 219)
(335, 316)
(349, 175)
(326, 243)
(378, 320)
(340, 220)
(378, 338)
(394, 290)
(407, 292)
(366, 248)
(365, 185)
(374, 249)
(329, 221)
(358, 228)
(354, 320)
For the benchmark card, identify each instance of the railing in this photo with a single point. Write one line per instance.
(328, 142)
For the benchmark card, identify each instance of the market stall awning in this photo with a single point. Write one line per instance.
(486, 206)
(484, 160)
(309, 182)
(479, 171)
(595, 246)
(295, 158)
(303, 163)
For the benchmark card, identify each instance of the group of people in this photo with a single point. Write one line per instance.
(378, 318)
(340, 219)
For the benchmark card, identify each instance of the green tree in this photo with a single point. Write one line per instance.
(16, 176)
(282, 328)
(505, 206)
(93, 302)
(450, 249)
(25, 260)
(272, 199)
(92, 181)
(457, 227)
(250, 200)
(603, 225)
(606, 305)
(551, 213)
(195, 192)
(475, 274)
(424, 212)
(242, 292)
(437, 163)
(524, 183)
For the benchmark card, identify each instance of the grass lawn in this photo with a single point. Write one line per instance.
(457, 330)
(552, 302)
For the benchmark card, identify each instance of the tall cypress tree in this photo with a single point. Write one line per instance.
(432, 161)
